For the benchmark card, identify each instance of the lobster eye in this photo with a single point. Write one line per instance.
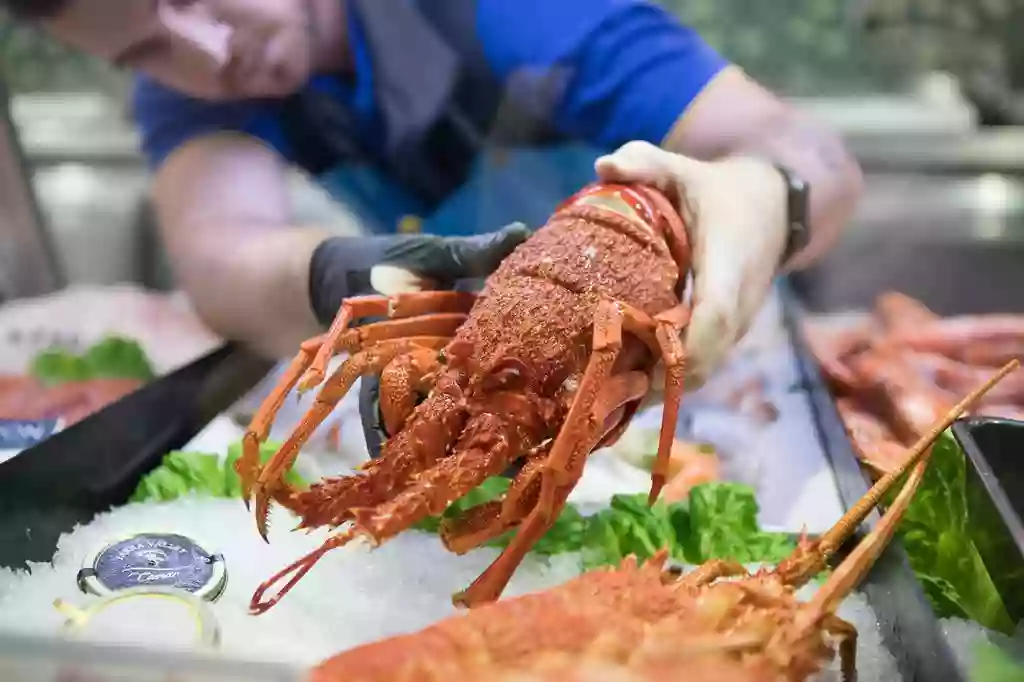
(507, 371)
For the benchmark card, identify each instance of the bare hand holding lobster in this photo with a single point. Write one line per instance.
(738, 228)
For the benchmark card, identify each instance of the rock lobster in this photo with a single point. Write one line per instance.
(646, 624)
(548, 363)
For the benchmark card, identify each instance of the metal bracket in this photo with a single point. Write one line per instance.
(28, 262)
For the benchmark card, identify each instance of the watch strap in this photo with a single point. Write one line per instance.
(798, 234)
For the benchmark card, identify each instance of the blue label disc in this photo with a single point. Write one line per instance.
(155, 560)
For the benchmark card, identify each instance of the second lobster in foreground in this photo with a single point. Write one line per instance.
(547, 364)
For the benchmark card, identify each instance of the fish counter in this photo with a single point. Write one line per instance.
(170, 570)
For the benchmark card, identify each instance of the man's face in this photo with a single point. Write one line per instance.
(213, 49)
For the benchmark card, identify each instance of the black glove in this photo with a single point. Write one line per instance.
(341, 267)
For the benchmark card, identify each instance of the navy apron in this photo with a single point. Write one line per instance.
(447, 144)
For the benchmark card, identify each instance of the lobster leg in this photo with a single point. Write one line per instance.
(270, 482)
(432, 429)
(481, 453)
(247, 466)
(399, 383)
(670, 325)
(400, 306)
(310, 364)
(565, 464)
(297, 569)
(712, 570)
(489, 520)
(441, 324)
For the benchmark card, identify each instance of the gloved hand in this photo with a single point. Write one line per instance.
(352, 266)
(735, 214)
(389, 264)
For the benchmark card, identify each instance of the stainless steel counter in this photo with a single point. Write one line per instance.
(988, 151)
(955, 242)
(944, 207)
(27, 261)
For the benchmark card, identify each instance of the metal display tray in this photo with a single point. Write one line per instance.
(906, 620)
(97, 463)
(995, 501)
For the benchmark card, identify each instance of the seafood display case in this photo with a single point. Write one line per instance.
(909, 626)
(101, 458)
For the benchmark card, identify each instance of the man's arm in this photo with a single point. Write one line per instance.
(733, 115)
(636, 73)
(223, 208)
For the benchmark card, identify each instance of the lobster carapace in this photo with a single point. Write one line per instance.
(546, 364)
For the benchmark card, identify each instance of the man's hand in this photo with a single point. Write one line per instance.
(353, 266)
(735, 214)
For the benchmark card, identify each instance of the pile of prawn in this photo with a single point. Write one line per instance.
(894, 372)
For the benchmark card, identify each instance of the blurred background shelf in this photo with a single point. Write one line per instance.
(906, 81)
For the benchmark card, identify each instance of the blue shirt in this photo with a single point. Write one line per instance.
(599, 72)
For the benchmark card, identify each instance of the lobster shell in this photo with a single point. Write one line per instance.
(546, 364)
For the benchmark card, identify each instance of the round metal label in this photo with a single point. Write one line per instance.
(154, 560)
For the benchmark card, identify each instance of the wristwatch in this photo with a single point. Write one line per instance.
(797, 213)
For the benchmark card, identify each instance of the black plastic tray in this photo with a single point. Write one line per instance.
(96, 464)
(907, 622)
(995, 501)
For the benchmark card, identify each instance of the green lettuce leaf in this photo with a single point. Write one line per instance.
(54, 367)
(993, 664)
(629, 526)
(181, 473)
(934, 532)
(112, 358)
(718, 521)
(118, 358)
(723, 525)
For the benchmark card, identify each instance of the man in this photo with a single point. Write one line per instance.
(397, 108)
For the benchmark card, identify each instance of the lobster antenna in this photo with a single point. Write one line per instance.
(848, 575)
